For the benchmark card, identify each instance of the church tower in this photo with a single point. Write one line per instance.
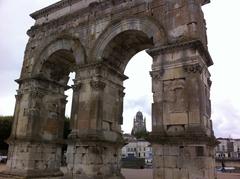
(139, 124)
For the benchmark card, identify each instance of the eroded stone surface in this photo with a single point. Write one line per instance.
(96, 39)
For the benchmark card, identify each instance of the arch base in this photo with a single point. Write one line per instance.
(93, 159)
(33, 160)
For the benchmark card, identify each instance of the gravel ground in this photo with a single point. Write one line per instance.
(147, 174)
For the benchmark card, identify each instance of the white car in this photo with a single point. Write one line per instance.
(3, 159)
(226, 169)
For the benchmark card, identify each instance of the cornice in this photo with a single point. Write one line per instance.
(41, 78)
(206, 2)
(104, 65)
(182, 139)
(64, 3)
(66, 19)
(197, 44)
(52, 8)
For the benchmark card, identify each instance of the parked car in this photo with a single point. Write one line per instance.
(3, 159)
(226, 169)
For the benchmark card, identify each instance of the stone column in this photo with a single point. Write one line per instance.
(182, 137)
(36, 137)
(94, 145)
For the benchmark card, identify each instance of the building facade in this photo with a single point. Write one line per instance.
(137, 148)
(228, 148)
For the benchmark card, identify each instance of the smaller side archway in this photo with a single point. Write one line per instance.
(40, 110)
(51, 72)
(68, 44)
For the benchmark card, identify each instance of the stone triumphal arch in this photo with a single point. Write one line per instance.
(96, 39)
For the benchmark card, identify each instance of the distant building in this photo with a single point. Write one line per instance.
(139, 124)
(138, 148)
(228, 148)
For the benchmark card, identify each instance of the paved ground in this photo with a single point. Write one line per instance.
(2, 167)
(137, 173)
(228, 176)
(147, 174)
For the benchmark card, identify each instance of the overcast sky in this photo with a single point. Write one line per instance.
(223, 37)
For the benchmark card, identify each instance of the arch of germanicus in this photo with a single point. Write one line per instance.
(96, 39)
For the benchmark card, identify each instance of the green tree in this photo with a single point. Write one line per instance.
(141, 134)
(67, 129)
(5, 130)
(6, 125)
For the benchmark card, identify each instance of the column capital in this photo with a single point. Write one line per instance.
(191, 44)
(156, 74)
(19, 95)
(37, 93)
(77, 86)
(193, 68)
(121, 93)
(97, 85)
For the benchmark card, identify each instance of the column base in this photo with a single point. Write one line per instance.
(92, 177)
(34, 174)
(183, 161)
(94, 157)
(33, 160)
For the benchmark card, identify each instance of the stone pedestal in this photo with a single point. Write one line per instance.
(33, 160)
(180, 158)
(95, 155)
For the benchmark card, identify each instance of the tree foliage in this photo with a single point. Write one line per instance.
(67, 129)
(6, 125)
(141, 135)
(5, 130)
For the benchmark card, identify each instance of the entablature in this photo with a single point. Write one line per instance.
(67, 7)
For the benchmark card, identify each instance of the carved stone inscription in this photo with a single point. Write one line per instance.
(175, 103)
(174, 95)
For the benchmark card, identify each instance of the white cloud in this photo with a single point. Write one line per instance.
(223, 36)
(226, 120)
(15, 21)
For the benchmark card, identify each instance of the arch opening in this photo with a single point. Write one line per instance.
(137, 112)
(138, 94)
(126, 54)
(58, 66)
(69, 94)
(57, 73)
(124, 46)
(128, 47)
